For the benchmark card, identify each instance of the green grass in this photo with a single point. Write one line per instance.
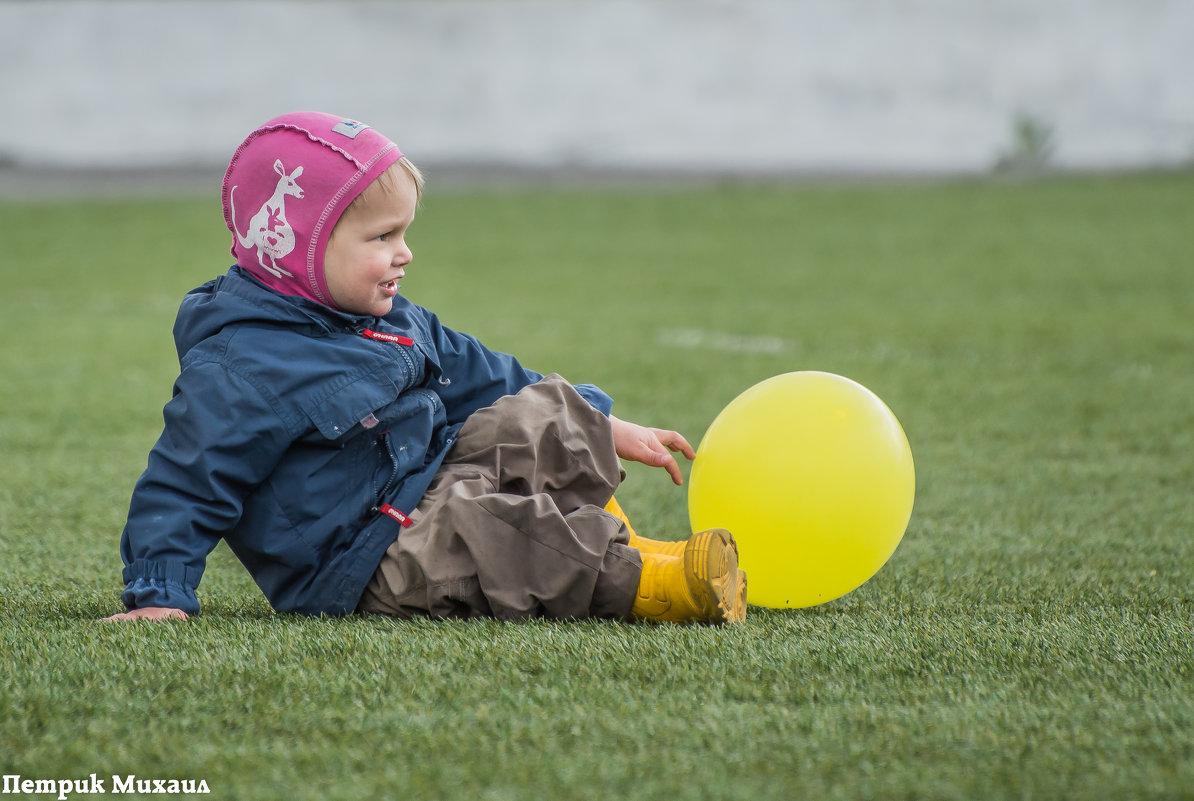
(1031, 637)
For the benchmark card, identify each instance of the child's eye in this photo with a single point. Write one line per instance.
(384, 237)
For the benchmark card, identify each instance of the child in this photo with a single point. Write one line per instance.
(357, 455)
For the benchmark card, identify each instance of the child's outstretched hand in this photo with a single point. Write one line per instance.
(650, 446)
(147, 613)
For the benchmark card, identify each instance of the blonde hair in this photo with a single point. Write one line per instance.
(415, 174)
(387, 182)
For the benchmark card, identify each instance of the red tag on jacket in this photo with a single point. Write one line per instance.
(390, 511)
(400, 340)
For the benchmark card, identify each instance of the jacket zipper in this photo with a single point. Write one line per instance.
(388, 444)
(385, 508)
(395, 339)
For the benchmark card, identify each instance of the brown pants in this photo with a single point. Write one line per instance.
(513, 525)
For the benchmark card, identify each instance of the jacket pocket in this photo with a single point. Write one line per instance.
(356, 404)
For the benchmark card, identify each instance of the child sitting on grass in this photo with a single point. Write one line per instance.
(357, 455)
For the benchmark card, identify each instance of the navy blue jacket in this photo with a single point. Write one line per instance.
(290, 426)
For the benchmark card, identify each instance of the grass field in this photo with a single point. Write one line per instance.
(1031, 638)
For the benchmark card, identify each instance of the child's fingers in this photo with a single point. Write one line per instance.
(147, 613)
(673, 470)
(651, 446)
(675, 441)
(662, 458)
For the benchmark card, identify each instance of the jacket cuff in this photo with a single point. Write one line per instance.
(165, 584)
(596, 398)
(156, 592)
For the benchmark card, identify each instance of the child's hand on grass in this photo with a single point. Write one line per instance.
(148, 613)
(650, 446)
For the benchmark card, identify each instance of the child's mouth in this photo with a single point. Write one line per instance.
(390, 288)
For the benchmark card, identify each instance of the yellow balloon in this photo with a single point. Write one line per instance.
(813, 475)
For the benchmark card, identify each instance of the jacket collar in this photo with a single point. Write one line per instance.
(237, 297)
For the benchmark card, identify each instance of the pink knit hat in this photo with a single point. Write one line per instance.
(286, 187)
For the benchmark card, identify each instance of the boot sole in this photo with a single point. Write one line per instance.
(711, 567)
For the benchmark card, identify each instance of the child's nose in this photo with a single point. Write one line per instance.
(404, 255)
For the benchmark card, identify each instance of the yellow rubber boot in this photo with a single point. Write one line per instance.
(703, 585)
(643, 544)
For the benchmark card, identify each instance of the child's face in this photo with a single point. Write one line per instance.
(367, 254)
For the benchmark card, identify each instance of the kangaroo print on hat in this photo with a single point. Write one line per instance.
(269, 232)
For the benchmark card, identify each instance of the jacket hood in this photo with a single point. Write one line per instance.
(238, 298)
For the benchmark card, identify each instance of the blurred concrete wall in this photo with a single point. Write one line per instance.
(729, 85)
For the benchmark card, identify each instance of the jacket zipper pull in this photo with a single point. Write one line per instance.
(390, 511)
(380, 337)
